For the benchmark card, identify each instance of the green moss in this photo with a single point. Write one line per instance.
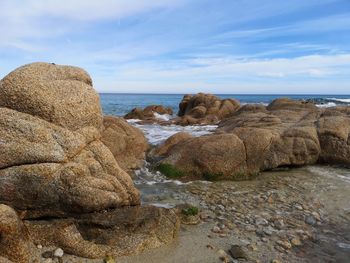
(213, 176)
(169, 170)
(190, 211)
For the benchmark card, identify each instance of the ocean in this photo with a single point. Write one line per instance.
(120, 104)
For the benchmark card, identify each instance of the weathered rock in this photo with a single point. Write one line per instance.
(15, 243)
(215, 156)
(334, 136)
(117, 232)
(206, 108)
(165, 147)
(59, 167)
(62, 95)
(237, 252)
(127, 143)
(148, 113)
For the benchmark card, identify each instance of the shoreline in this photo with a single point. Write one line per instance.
(290, 195)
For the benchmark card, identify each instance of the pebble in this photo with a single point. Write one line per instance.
(285, 244)
(216, 229)
(237, 252)
(310, 220)
(295, 241)
(58, 253)
(39, 246)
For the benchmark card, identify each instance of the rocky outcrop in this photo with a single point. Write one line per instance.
(258, 138)
(54, 163)
(127, 143)
(148, 113)
(205, 108)
(15, 243)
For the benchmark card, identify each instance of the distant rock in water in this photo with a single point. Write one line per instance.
(205, 108)
(148, 113)
(56, 161)
(257, 138)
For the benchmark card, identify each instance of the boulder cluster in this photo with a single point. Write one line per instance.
(60, 158)
(193, 109)
(258, 138)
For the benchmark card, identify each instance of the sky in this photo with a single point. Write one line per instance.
(186, 46)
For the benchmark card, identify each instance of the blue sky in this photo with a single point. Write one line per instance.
(186, 46)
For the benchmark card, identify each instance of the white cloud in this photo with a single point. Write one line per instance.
(79, 9)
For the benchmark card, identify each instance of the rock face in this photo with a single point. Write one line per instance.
(258, 138)
(148, 113)
(15, 243)
(206, 108)
(54, 163)
(127, 143)
(62, 95)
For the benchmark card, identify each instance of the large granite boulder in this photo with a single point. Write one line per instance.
(62, 95)
(258, 138)
(54, 166)
(127, 143)
(15, 243)
(47, 170)
(206, 108)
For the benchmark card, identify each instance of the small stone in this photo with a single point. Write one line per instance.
(47, 254)
(284, 243)
(237, 252)
(216, 229)
(261, 221)
(252, 247)
(298, 206)
(222, 253)
(58, 253)
(109, 259)
(209, 246)
(39, 246)
(310, 220)
(295, 241)
(317, 216)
